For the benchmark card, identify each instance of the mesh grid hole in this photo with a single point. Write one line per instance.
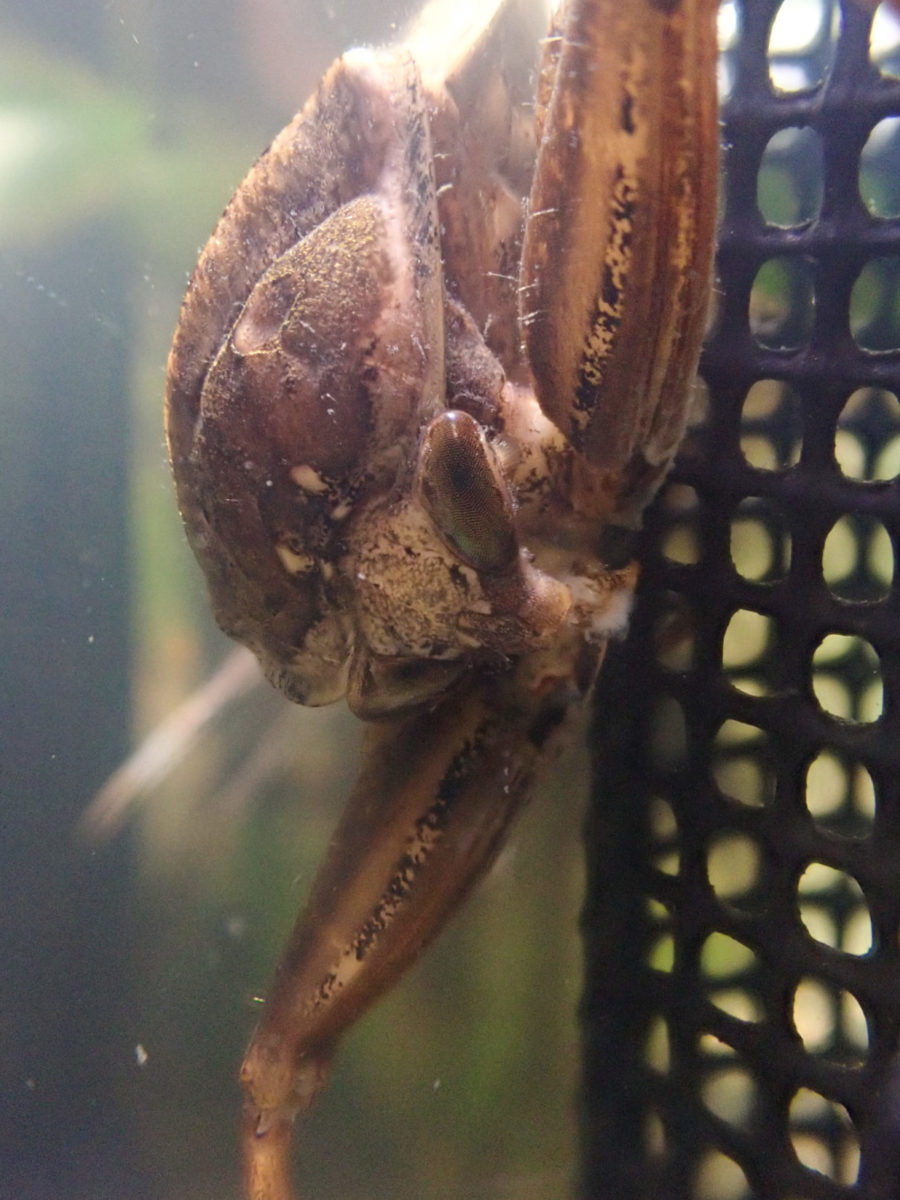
(771, 427)
(740, 1003)
(698, 408)
(714, 1049)
(731, 1094)
(814, 1016)
(668, 738)
(887, 463)
(884, 40)
(782, 303)
(854, 1027)
(720, 1178)
(663, 824)
(830, 1022)
(734, 866)
(796, 470)
(867, 439)
(833, 910)
(661, 946)
(846, 678)
(790, 183)
(879, 560)
(661, 953)
(749, 640)
(802, 44)
(858, 559)
(654, 1135)
(729, 30)
(750, 653)
(857, 938)
(681, 543)
(823, 1136)
(723, 957)
(674, 634)
(739, 765)
(840, 796)
(668, 862)
(820, 924)
(760, 544)
(656, 1046)
(879, 170)
(874, 316)
(664, 832)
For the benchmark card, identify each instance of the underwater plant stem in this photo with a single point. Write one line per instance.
(266, 1159)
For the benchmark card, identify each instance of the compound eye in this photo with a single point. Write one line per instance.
(464, 492)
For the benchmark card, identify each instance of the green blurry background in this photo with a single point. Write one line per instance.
(128, 968)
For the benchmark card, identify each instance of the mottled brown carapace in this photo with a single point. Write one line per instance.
(440, 343)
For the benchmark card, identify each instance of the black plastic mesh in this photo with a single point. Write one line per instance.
(742, 1005)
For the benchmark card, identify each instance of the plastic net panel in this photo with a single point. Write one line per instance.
(742, 1005)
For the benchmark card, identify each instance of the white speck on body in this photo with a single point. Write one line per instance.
(140, 1055)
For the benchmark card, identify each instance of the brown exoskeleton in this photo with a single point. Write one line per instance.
(438, 347)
